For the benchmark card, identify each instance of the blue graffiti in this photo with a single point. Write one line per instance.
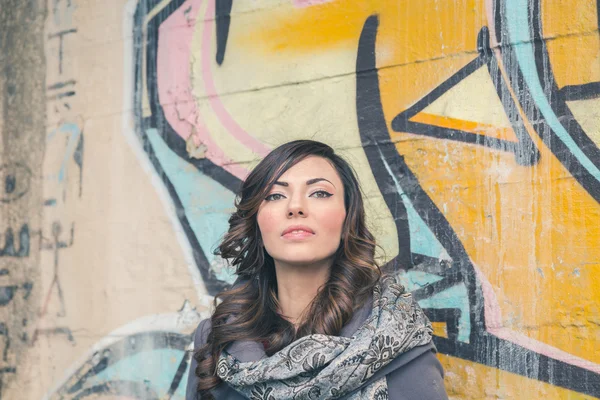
(207, 204)
(422, 240)
(519, 30)
(74, 133)
(154, 367)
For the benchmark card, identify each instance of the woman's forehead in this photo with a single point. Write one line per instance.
(311, 167)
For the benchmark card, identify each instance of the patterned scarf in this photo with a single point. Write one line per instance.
(329, 367)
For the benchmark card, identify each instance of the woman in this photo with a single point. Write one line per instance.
(310, 315)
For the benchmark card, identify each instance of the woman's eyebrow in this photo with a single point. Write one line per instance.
(308, 182)
(315, 180)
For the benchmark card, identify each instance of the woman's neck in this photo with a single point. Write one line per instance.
(297, 286)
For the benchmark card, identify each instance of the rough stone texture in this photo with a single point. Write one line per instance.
(22, 132)
(474, 127)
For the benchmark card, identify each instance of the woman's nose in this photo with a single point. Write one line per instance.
(291, 213)
(296, 207)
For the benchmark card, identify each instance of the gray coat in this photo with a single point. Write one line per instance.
(414, 375)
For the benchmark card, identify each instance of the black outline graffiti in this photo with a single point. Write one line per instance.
(526, 153)
(449, 316)
(555, 98)
(383, 156)
(482, 348)
(223, 20)
(57, 245)
(60, 35)
(585, 91)
(78, 388)
(180, 374)
(168, 134)
(381, 151)
(14, 176)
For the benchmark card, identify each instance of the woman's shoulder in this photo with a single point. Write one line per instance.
(418, 375)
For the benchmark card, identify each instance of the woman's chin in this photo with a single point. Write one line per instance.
(303, 259)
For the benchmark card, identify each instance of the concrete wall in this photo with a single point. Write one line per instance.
(22, 143)
(474, 126)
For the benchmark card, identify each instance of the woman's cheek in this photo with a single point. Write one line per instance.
(266, 221)
(332, 220)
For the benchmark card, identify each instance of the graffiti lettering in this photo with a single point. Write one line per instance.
(60, 35)
(9, 249)
(15, 180)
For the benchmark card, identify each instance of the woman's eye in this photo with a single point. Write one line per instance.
(321, 194)
(273, 196)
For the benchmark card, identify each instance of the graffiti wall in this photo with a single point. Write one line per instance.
(474, 126)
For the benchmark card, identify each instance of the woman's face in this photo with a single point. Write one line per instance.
(301, 218)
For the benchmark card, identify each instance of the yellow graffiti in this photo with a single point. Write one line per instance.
(483, 382)
(531, 230)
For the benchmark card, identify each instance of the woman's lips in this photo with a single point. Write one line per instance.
(298, 234)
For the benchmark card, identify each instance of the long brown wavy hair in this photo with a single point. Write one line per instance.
(248, 311)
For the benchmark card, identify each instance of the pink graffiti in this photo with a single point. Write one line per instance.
(493, 322)
(215, 102)
(174, 84)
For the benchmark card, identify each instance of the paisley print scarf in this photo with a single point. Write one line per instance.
(329, 367)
